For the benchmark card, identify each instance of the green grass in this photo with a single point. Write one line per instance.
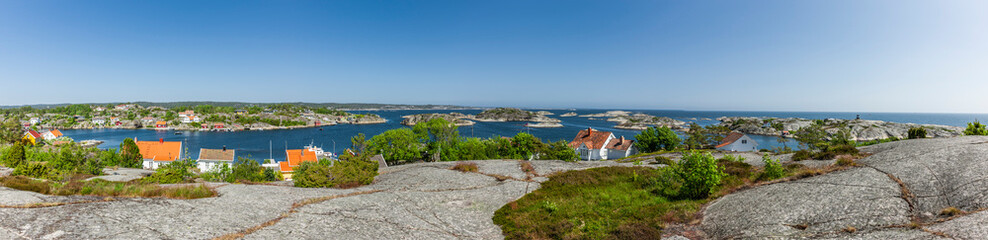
(99, 187)
(597, 203)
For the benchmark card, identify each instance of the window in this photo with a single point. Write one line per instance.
(744, 141)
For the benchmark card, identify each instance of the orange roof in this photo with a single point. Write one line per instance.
(56, 133)
(160, 151)
(297, 156)
(161, 123)
(595, 139)
(733, 136)
(285, 168)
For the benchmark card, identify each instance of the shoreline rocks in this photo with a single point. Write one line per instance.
(860, 130)
(454, 117)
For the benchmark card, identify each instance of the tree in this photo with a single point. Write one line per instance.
(654, 139)
(359, 143)
(396, 145)
(697, 137)
(812, 137)
(976, 129)
(352, 170)
(11, 130)
(15, 156)
(440, 137)
(246, 170)
(525, 145)
(130, 154)
(558, 150)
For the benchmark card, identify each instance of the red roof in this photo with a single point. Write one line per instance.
(593, 138)
(285, 168)
(34, 134)
(731, 138)
(620, 144)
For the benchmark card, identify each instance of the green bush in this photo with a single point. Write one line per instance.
(174, 172)
(130, 155)
(802, 155)
(37, 170)
(664, 160)
(917, 132)
(772, 170)
(700, 174)
(247, 170)
(311, 175)
(976, 129)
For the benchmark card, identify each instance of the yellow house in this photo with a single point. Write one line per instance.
(32, 137)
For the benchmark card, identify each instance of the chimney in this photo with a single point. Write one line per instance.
(161, 140)
(224, 146)
(589, 131)
(622, 140)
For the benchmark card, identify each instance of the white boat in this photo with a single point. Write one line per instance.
(319, 152)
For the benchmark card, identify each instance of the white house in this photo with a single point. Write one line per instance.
(211, 160)
(190, 119)
(592, 144)
(51, 135)
(159, 153)
(738, 142)
(186, 113)
(99, 121)
(35, 121)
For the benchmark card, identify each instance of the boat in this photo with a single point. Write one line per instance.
(319, 152)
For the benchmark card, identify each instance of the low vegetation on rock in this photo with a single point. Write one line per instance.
(99, 187)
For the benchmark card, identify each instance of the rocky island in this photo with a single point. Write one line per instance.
(453, 117)
(516, 115)
(859, 129)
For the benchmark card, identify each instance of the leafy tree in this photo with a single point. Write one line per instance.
(130, 154)
(246, 170)
(917, 132)
(174, 172)
(526, 145)
(654, 139)
(699, 173)
(396, 145)
(440, 137)
(976, 129)
(558, 150)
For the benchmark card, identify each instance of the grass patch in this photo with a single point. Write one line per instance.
(99, 187)
(465, 167)
(595, 203)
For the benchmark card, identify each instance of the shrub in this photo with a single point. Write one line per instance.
(802, 155)
(664, 160)
(36, 170)
(352, 171)
(732, 158)
(700, 174)
(976, 128)
(845, 161)
(772, 170)
(735, 168)
(917, 132)
(465, 167)
(247, 170)
(130, 155)
(26, 184)
(843, 149)
(174, 172)
(951, 211)
(311, 175)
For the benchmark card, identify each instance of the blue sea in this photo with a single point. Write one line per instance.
(272, 143)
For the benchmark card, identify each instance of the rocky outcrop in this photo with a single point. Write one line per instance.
(512, 115)
(454, 117)
(860, 130)
(902, 183)
(607, 114)
(569, 114)
(544, 125)
(415, 201)
(642, 121)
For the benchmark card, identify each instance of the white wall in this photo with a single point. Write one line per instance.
(743, 144)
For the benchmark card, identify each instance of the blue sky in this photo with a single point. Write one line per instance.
(877, 56)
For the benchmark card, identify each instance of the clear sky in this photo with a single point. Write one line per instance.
(881, 56)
